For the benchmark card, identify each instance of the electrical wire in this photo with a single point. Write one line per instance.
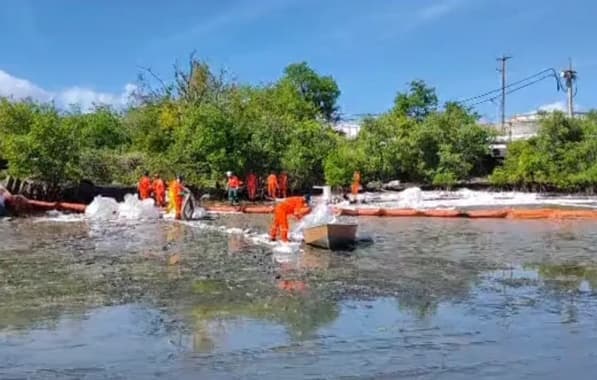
(512, 90)
(550, 70)
(499, 89)
(552, 74)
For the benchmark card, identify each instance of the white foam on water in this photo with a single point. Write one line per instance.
(103, 208)
(287, 248)
(463, 198)
(136, 209)
(169, 215)
(263, 239)
(585, 287)
(59, 217)
(284, 253)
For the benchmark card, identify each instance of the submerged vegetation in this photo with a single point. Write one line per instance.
(204, 124)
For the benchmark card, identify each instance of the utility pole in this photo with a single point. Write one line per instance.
(570, 76)
(503, 60)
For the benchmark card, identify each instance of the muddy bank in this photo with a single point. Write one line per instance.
(85, 192)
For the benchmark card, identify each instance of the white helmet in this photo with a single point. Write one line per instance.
(228, 174)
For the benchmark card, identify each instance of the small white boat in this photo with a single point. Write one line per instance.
(331, 236)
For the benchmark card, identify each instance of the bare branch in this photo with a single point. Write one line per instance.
(155, 76)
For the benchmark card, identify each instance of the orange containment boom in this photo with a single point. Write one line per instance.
(22, 205)
(509, 213)
(488, 214)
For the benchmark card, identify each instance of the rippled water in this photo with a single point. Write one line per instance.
(447, 299)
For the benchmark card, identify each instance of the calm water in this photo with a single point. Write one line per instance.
(429, 299)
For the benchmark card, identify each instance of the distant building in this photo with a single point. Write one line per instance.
(519, 127)
(350, 129)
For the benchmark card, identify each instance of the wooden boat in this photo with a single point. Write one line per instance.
(331, 236)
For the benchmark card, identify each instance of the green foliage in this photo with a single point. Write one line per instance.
(17, 117)
(418, 103)
(309, 143)
(100, 129)
(203, 124)
(342, 162)
(320, 91)
(563, 155)
(445, 179)
(416, 142)
(47, 148)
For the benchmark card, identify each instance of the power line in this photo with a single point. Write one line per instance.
(512, 90)
(505, 90)
(528, 84)
(483, 95)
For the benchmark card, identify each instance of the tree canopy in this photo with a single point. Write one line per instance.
(204, 123)
(563, 155)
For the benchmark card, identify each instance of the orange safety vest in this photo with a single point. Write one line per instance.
(159, 187)
(144, 187)
(272, 181)
(233, 182)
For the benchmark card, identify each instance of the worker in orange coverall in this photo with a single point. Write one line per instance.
(283, 185)
(272, 186)
(293, 206)
(159, 191)
(356, 183)
(252, 186)
(178, 189)
(144, 186)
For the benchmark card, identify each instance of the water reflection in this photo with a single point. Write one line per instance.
(569, 277)
(424, 286)
(301, 313)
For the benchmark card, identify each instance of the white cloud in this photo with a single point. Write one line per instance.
(18, 88)
(85, 98)
(555, 106)
(438, 9)
(483, 120)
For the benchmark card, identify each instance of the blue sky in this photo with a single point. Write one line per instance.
(84, 51)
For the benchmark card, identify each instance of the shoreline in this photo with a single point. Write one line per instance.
(85, 191)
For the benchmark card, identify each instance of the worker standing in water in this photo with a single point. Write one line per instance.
(144, 186)
(232, 187)
(177, 192)
(283, 184)
(272, 185)
(159, 191)
(356, 184)
(252, 187)
(171, 195)
(293, 206)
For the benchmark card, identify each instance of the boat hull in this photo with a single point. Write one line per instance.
(331, 236)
